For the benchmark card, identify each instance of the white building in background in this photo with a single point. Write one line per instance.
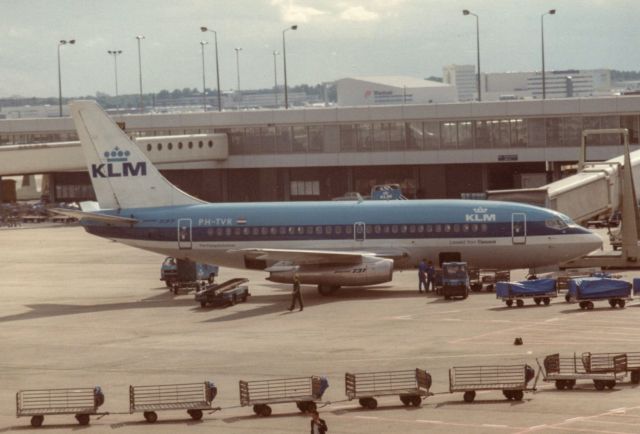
(558, 84)
(387, 90)
(463, 77)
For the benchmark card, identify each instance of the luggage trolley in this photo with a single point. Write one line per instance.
(605, 362)
(510, 379)
(82, 402)
(565, 371)
(194, 397)
(589, 289)
(409, 385)
(304, 391)
(540, 290)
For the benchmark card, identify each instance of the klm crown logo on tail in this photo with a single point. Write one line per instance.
(118, 165)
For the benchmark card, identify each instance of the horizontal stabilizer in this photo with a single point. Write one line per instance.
(94, 216)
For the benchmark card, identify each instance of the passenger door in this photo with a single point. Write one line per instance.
(359, 231)
(519, 228)
(184, 234)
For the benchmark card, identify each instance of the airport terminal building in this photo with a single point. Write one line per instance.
(438, 150)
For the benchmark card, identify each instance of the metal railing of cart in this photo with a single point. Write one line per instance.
(38, 403)
(510, 379)
(193, 397)
(565, 371)
(304, 391)
(410, 386)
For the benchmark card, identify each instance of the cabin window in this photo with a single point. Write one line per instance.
(456, 228)
(386, 229)
(328, 230)
(300, 230)
(369, 229)
(237, 231)
(309, 230)
(179, 145)
(378, 229)
(282, 230)
(465, 228)
(210, 232)
(159, 146)
(211, 143)
(403, 229)
(200, 144)
(447, 228)
(318, 230)
(273, 230)
(291, 230)
(484, 227)
(338, 230)
(219, 232)
(429, 229)
(170, 146)
(412, 229)
(149, 147)
(264, 231)
(394, 229)
(227, 232)
(348, 229)
(474, 227)
(190, 145)
(421, 228)
(246, 231)
(256, 231)
(438, 228)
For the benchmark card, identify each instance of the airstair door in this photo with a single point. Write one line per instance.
(359, 229)
(184, 234)
(519, 228)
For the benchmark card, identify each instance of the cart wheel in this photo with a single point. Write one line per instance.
(372, 403)
(469, 396)
(517, 395)
(611, 384)
(466, 294)
(599, 384)
(265, 411)
(203, 304)
(310, 406)
(612, 303)
(446, 297)
(406, 401)
(509, 303)
(36, 421)
(150, 416)
(507, 394)
(195, 414)
(590, 305)
(416, 401)
(520, 303)
(363, 402)
(567, 297)
(583, 305)
(621, 303)
(256, 409)
(570, 384)
(546, 301)
(537, 301)
(635, 377)
(83, 419)
(560, 384)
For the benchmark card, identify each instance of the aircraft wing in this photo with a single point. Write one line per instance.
(309, 257)
(104, 218)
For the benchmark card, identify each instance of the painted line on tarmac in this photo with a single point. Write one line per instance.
(587, 419)
(457, 356)
(440, 422)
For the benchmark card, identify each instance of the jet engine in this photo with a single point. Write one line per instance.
(370, 271)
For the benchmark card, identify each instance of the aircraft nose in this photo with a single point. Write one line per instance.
(592, 241)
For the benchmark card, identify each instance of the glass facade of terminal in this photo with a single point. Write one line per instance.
(392, 136)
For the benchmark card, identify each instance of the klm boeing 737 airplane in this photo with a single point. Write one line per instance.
(329, 244)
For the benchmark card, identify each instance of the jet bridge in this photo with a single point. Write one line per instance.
(598, 188)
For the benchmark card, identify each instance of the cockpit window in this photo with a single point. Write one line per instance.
(556, 223)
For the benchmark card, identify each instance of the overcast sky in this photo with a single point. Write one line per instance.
(335, 39)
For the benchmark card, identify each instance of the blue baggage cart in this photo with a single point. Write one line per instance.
(540, 290)
(586, 290)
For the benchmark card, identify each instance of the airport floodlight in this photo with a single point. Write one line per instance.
(204, 85)
(215, 40)
(140, 38)
(544, 81)
(115, 54)
(275, 76)
(284, 60)
(60, 44)
(468, 12)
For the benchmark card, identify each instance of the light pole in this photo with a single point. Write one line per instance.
(204, 87)
(275, 76)
(115, 54)
(467, 12)
(284, 58)
(544, 84)
(215, 39)
(60, 44)
(238, 50)
(140, 38)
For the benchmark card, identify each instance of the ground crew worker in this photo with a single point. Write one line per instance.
(296, 295)
(422, 276)
(431, 277)
(318, 426)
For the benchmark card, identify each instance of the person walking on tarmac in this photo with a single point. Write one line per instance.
(431, 277)
(295, 294)
(318, 426)
(422, 276)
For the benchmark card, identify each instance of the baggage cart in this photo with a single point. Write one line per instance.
(510, 379)
(82, 402)
(409, 385)
(224, 294)
(565, 371)
(539, 290)
(304, 391)
(193, 397)
(474, 279)
(587, 290)
(605, 362)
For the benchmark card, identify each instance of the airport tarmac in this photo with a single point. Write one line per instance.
(77, 310)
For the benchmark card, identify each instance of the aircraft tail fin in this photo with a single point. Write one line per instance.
(121, 174)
